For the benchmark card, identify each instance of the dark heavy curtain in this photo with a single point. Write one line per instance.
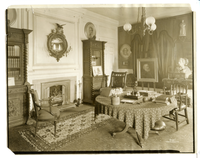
(136, 46)
(164, 49)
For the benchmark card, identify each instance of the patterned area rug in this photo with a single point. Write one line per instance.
(69, 128)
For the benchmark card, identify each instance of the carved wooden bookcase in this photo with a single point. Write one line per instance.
(17, 94)
(93, 56)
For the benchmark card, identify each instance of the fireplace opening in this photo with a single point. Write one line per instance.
(56, 92)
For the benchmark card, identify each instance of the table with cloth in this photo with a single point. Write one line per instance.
(140, 116)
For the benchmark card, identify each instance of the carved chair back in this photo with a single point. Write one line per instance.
(118, 79)
(130, 80)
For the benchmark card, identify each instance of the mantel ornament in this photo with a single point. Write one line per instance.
(57, 44)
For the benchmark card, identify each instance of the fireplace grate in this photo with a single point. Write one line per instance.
(56, 93)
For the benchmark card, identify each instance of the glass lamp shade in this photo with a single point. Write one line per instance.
(153, 27)
(127, 27)
(150, 21)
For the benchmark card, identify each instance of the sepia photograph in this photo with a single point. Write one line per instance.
(147, 70)
(59, 58)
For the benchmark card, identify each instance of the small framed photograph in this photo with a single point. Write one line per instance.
(125, 63)
(11, 81)
(97, 71)
(147, 70)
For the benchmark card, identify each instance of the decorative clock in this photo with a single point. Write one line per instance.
(57, 43)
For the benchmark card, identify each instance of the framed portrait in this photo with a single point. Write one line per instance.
(97, 71)
(125, 57)
(90, 30)
(125, 51)
(11, 81)
(147, 70)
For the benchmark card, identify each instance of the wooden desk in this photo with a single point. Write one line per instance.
(141, 117)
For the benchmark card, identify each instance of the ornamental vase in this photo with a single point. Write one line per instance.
(115, 100)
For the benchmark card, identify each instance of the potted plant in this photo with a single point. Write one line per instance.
(115, 95)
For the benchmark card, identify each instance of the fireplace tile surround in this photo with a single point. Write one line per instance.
(45, 89)
(68, 87)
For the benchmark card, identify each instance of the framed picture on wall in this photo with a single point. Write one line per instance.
(147, 70)
(125, 51)
(97, 70)
(11, 81)
(125, 57)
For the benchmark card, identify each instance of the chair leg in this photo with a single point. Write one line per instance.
(186, 115)
(54, 128)
(176, 118)
(36, 127)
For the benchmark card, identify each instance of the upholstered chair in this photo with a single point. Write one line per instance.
(44, 113)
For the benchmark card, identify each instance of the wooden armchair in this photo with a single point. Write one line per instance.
(43, 113)
(180, 92)
(118, 79)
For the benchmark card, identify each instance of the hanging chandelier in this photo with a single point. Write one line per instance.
(146, 24)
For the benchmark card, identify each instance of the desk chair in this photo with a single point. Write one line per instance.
(43, 113)
(180, 91)
(118, 79)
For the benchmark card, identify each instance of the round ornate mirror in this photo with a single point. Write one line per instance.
(56, 43)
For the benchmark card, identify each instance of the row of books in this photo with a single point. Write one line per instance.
(14, 74)
(13, 51)
(13, 63)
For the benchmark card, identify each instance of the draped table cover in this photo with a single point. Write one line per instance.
(141, 117)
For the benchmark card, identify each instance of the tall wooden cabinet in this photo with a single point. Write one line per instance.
(17, 95)
(93, 60)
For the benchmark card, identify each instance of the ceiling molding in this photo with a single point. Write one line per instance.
(97, 16)
(130, 14)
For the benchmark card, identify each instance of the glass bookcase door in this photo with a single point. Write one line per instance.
(96, 58)
(97, 63)
(14, 63)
